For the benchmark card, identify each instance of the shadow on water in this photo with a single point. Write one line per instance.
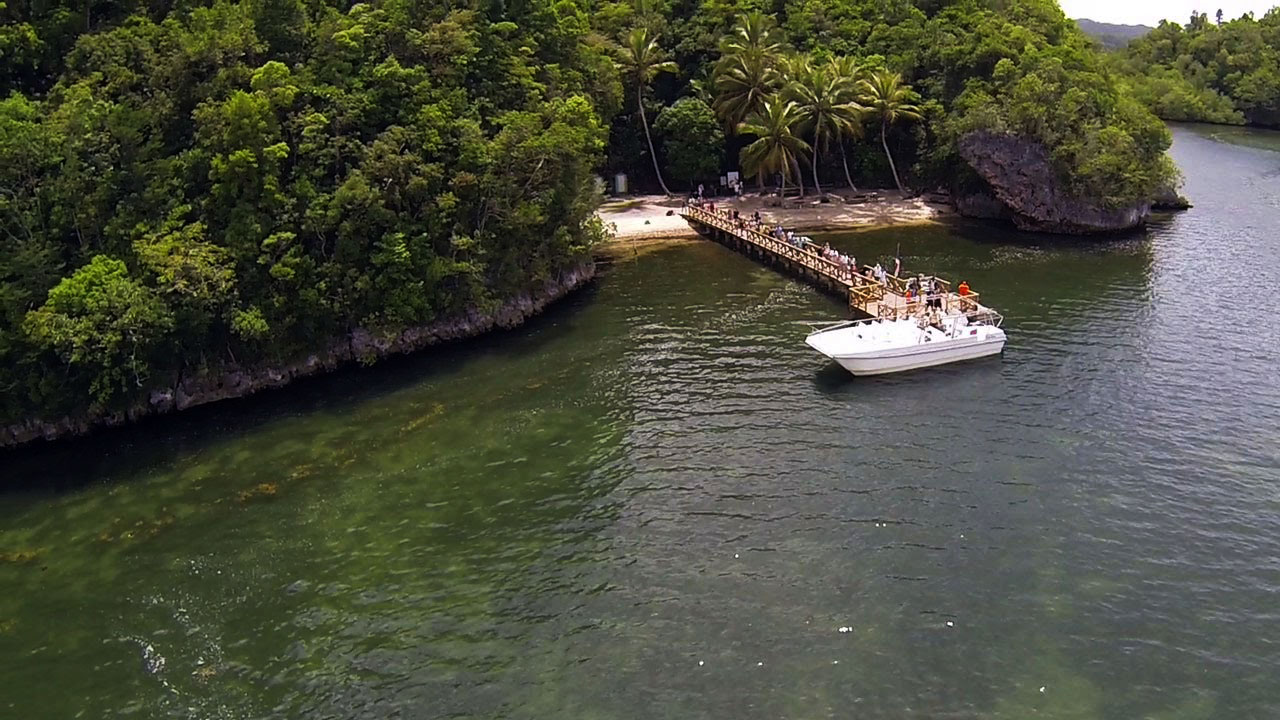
(982, 232)
(833, 380)
(73, 463)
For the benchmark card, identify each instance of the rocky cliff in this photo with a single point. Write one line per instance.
(1021, 179)
(359, 346)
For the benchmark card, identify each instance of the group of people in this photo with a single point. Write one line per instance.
(734, 186)
(848, 262)
(789, 237)
(928, 288)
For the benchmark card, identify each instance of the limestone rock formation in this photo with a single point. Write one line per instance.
(1021, 178)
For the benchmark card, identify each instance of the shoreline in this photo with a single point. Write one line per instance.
(655, 217)
(358, 347)
(638, 224)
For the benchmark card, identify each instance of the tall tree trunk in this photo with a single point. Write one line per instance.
(795, 162)
(817, 142)
(844, 158)
(645, 121)
(884, 128)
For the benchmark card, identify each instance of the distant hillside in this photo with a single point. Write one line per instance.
(1110, 35)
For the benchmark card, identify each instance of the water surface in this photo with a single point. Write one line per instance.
(655, 501)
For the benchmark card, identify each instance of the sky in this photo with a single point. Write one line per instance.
(1150, 12)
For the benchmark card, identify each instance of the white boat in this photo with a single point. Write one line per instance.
(877, 347)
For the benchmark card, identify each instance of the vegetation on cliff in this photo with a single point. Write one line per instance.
(243, 182)
(1221, 72)
(188, 186)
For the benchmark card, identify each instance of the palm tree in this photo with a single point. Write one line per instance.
(755, 33)
(642, 60)
(825, 102)
(742, 83)
(745, 75)
(776, 146)
(850, 74)
(889, 100)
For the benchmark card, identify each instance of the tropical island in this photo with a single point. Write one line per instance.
(203, 201)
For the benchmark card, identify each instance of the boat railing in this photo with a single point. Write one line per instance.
(821, 326)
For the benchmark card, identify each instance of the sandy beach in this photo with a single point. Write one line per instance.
(655, 217)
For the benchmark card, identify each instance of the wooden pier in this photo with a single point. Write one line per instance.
(867, 297)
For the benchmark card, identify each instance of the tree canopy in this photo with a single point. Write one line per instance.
(1220, 72)
(990, 64)
(247, 181)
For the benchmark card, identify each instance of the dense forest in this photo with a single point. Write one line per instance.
(1016, 66)
(193, 186)
(189, 187)
(1208, 70)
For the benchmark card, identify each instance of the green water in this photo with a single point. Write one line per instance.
(655, 501)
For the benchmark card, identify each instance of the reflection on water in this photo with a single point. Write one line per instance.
(658, 501)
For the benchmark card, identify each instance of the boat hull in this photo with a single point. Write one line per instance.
(892, 362)
(881, 348)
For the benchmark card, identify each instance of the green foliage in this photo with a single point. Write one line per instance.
(888, 101)
(692, 140)
(105, 323)
(242, 182)
(642, 60)
(1221, 73)
(776, 147)
(747, 72)
(743, 82)
(1014, 65)
(1171, 96)
(827, 96)
(1032, 72)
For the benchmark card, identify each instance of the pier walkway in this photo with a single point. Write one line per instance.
(867, 296)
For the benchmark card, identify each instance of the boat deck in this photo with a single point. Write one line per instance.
(867, 297)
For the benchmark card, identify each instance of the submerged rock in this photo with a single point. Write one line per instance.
(21, 557)
(1023, 182)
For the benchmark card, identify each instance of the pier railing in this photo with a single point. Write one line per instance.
(746, 230)
(894, 297)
